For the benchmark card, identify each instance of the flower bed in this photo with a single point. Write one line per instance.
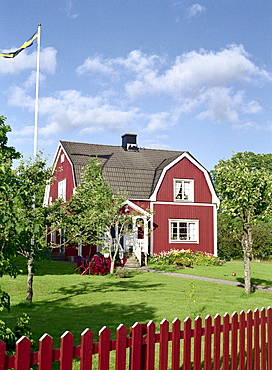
(185, 258)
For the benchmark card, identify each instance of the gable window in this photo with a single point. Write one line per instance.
(62, 157)
(183, 231)
(62, 189)
(183, 190)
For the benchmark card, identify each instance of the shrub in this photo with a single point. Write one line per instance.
(22, 327)
(185, 258)
(10, 337)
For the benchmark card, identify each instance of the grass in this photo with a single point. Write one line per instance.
(260, 271)
(64, 300)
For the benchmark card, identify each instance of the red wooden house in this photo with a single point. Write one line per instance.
(172, 184)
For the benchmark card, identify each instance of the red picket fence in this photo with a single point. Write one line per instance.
(242, 341)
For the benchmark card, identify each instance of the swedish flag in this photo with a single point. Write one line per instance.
(25, 45)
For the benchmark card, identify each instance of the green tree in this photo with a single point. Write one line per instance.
(244, 185)
(8, 197)
(8, 182)
(31, 217)
(23, 218)
(91, 212)
(230, 233)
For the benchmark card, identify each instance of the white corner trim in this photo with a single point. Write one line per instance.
(215, 251)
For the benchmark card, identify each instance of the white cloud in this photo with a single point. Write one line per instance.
(246, 126)
(252, 107)
(18, 97)
(221, 105)
(161, 121)
(25, 61)
(195, 9)
(68, 9)
(135, 62)
(204, 85)
(94, 65)
(194, 70)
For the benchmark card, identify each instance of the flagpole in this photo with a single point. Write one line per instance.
(37, 92)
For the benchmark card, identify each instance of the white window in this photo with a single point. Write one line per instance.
(183, 190)
(53, 237)
(183, 231)
(62, 189)
(62, 157)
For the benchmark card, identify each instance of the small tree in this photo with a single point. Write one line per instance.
(244, 186)
(8, 198)
(31, 217)
(119, 221)
(85, 216)
(91, 211)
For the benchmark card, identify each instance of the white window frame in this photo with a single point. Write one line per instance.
(53, 237)
(192, 231)
(62, 158)
(62, 189)
(187, 190)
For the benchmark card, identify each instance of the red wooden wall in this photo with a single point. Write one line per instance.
(63, 171)
(185, 169)
(164, 212)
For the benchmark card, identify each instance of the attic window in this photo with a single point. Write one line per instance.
(62, 189)
(62, 157)
(183, 190)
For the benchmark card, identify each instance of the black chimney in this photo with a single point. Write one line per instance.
(129, 142)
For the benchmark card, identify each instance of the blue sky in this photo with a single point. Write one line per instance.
(183, 75)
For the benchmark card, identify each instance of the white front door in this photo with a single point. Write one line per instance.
(136, 241)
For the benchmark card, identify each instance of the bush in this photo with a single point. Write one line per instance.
(22, 327)
(185, 258)
(10, 337)
(230, 234)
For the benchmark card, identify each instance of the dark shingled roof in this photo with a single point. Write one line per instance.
(136, 173)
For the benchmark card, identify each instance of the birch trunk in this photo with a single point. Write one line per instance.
(29, 294)
(247, 249)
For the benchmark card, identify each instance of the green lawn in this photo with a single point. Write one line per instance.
(260, 271)
(64, 300)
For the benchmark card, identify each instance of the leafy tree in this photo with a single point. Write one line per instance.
(92, 211)
(8, 183)
(8, 198)
(31, 217)
(230, 233)
(244, 185)
(22, 215)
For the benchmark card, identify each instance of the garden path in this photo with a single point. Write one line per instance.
(211, 280)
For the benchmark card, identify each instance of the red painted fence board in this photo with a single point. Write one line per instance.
(121, 346)
(243, 341)
(86, 349)
(45, 352)
(163, 356)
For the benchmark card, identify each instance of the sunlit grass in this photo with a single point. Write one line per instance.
(64, 300)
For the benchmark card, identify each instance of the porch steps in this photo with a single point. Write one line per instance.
(132, 262)
(58, 256)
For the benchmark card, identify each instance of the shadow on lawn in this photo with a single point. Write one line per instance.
(55, 318)
(110, 285)
(256, 281)
(63, 313)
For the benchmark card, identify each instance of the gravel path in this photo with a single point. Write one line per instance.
(217, 281)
